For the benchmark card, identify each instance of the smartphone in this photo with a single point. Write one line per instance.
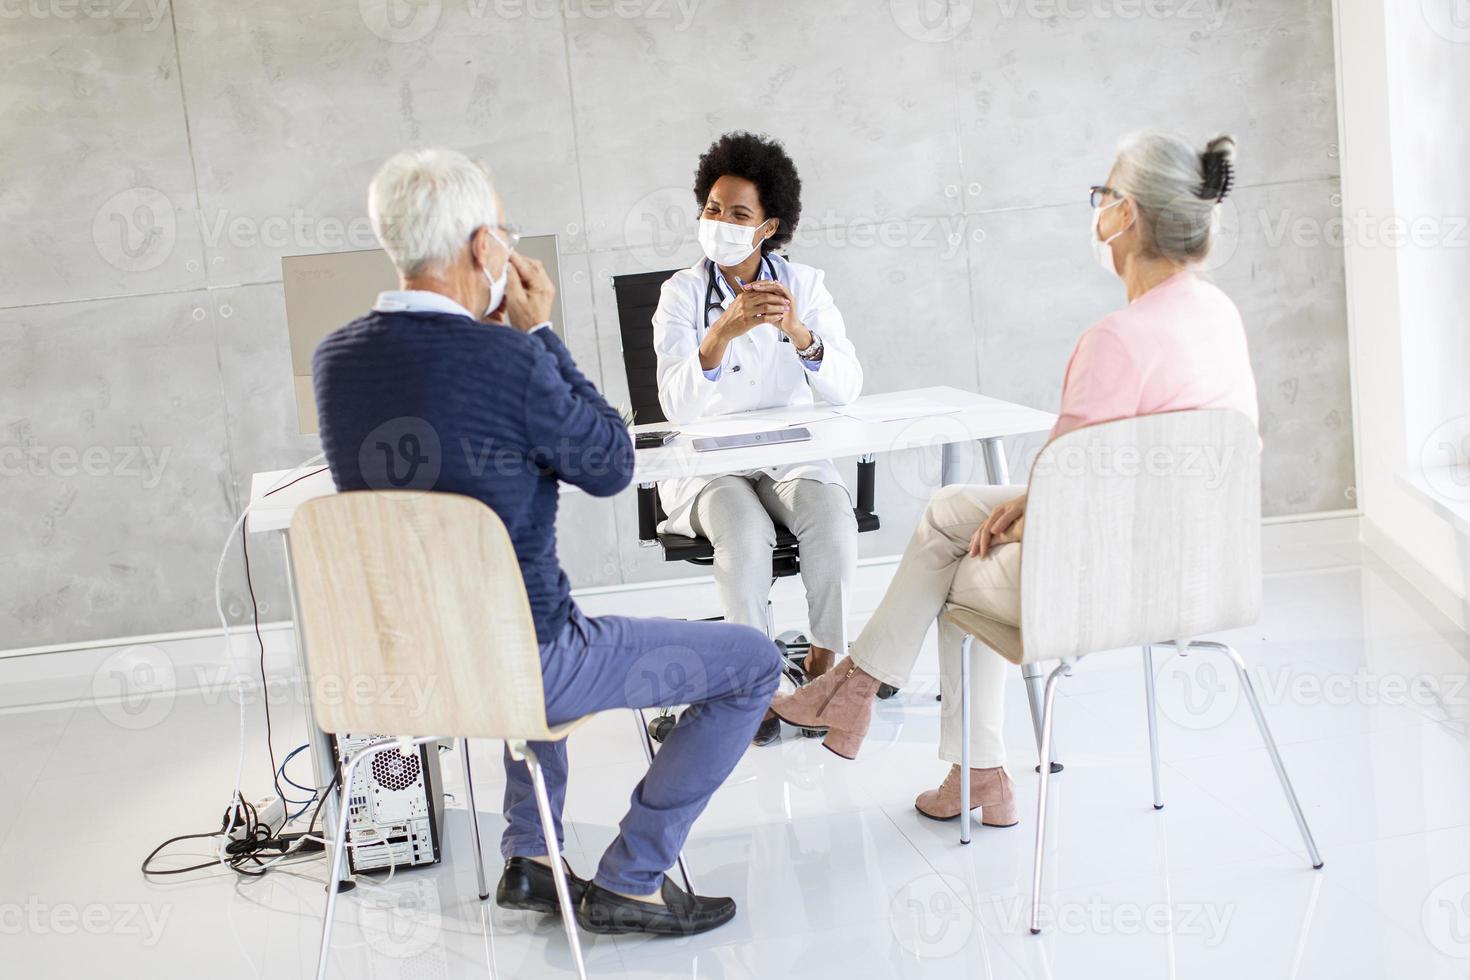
(652, 440)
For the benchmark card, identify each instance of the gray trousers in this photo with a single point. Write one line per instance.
(735, 513)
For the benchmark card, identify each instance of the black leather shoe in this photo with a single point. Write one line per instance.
(529, 885)
(770, 731)
(604, 913)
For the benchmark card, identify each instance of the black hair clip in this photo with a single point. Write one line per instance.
(1219, 176)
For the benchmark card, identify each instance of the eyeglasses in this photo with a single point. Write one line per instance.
(512, 235)
(509, 235)
(1096, 192)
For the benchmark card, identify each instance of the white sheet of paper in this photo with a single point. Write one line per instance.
(897, 409)
(739, 425)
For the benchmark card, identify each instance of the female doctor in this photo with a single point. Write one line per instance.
(742, 329)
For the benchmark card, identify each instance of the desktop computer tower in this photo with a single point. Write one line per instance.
(395, 806)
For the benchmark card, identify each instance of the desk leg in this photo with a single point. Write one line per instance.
(323, 760)
(949, 464)
(995, 462)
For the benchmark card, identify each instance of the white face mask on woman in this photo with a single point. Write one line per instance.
(1102, 248)
(726, 244)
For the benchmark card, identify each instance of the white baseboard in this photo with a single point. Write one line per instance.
(1431, 586)
(197, 660)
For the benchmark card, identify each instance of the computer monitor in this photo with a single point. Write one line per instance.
(327, 290)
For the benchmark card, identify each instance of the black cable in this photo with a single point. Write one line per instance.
(311, 828)
(265, 691)
(303, 476)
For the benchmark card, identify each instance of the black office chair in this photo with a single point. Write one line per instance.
(637, 298)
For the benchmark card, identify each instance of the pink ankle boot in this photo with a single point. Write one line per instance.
(990, 789)
(840, 701)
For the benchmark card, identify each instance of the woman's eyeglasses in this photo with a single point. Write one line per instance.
(1097, 192)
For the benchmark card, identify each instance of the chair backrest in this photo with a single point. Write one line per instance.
(637, 297)
(1143, 530)
(415, 617)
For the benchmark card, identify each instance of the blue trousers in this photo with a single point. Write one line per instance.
(726, 673)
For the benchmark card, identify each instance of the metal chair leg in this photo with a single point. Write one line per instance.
(553, 854)
(1271, 750)
(339, 843)
(647, 741)
(1151, 698)
(995, 462)
(1048, 715)
(1035, 677)
(469, 793)
(965, 738)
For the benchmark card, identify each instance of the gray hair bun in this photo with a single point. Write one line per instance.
(1218, 163)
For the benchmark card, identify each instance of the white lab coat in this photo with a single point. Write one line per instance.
(760, 369)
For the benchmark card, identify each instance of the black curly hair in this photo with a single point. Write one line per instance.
(765, 164)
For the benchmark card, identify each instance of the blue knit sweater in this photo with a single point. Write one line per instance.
(436, 401)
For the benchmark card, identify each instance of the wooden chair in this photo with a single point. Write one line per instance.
(1138, 532)
(399, 584)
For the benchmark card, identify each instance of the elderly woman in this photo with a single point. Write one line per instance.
(1178, 344)
(741, 329)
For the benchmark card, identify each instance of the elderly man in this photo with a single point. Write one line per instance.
(456, 383)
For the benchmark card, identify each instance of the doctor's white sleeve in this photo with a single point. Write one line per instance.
(683, 389)
(839, 380)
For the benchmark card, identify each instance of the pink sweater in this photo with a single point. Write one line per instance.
(1180, 345)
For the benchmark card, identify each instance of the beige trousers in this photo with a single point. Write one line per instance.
(936, 569)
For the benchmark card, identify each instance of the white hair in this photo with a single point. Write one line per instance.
(426, 203)
(1177, 190)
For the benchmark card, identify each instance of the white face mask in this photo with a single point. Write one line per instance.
(726, 244)
(1102, 248)
(497, 283)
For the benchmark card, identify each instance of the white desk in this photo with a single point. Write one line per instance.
(958, 417)
(943, 417)
(955, 417)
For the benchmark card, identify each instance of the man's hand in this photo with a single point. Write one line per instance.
(1004, 526)
(789, 324)
(529, 293)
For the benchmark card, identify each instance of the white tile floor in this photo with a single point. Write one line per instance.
(835, 873)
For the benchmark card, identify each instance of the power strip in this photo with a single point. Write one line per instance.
(270, 813)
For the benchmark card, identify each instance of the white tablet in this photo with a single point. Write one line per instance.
(748, 439)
